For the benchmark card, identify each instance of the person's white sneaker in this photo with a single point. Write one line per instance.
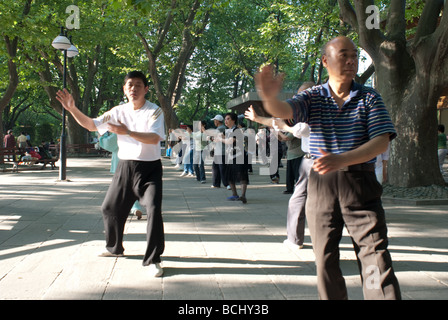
(107, 254)
(155, 270)
(183, 174)
(291, 245)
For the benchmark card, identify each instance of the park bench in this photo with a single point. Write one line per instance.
(10, 155)
(51, 161)
(14, 156)
(53, 149)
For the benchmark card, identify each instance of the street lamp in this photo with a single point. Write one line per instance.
(61, 42)
(72, 51)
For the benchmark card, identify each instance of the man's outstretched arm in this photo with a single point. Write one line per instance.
(68, 103)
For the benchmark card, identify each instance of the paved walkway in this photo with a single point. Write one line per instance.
(51, 233)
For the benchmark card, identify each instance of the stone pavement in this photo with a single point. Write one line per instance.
(52, 232)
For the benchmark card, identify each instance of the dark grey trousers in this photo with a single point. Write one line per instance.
(352, 199)
(135, 180)
(295, 220)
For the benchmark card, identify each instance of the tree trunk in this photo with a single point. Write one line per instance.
(11, 47)
(191, 34)
(171, 120)
(410, 79)
(413, 160)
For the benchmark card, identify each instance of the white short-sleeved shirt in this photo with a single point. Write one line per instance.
(148, 119)
(302, 131)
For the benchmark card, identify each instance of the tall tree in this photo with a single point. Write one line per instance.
(170, 32)
(411, 75)
(10, 36)
(92, 75)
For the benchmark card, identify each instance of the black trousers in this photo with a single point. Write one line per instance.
(292, 173)
(135, 180)
(219, 171)
(352, 199)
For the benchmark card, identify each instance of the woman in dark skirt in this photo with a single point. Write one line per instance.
(236, 158)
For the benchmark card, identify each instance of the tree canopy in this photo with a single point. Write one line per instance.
(199, 54)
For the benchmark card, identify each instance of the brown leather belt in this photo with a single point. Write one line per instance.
(360, 167)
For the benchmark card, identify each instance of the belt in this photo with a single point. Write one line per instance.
(360, 167)
(307, 156)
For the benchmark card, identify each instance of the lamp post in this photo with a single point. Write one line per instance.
(61, 42)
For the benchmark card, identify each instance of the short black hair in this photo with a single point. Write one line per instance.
(136, 74)
(441, 128)
(232, 116)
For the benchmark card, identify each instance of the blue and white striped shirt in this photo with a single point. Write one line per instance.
(337, 130)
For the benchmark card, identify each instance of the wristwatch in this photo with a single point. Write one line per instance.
(129, 133)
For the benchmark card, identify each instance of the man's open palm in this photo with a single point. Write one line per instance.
(66, 99)
(268, 83)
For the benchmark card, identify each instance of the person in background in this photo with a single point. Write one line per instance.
(294, 156)
(262, 144)
(236, 158)
(178, 149)
(187, 151)
(9, 141)
(218, 165)
(274, 138)
(296, 213)
(21, 141)
(172, 140)
(276, 154)
(381, 166)
(199, 143)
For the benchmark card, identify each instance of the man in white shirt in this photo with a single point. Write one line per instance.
(381, 166)
(295, 221)
(140, 126)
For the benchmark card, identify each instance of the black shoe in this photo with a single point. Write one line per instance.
(287, 192)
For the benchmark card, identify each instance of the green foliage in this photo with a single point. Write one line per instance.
(239, 38)
(30, 112)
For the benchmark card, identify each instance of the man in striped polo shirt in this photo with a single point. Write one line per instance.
(350, 126)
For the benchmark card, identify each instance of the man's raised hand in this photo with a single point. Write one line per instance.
(66, 99)
(268, 83)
